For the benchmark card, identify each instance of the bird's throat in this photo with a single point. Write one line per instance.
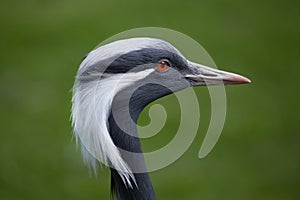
(123, 131)
(125, 110)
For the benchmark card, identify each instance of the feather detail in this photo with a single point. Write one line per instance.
(90, 111)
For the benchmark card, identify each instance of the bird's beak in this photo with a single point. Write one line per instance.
(202, 75)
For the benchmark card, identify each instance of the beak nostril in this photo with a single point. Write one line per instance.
(209, 75)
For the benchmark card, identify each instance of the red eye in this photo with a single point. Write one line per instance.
(162, 66)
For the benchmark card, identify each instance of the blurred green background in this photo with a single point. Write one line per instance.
(257, 156)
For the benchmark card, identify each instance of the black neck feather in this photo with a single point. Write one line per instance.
(143, 190)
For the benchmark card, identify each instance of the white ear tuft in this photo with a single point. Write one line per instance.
(90, 112)
(92, 103)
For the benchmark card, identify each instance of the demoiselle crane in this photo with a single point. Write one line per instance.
(113, 85)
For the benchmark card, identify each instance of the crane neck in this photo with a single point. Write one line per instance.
(143, 190)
